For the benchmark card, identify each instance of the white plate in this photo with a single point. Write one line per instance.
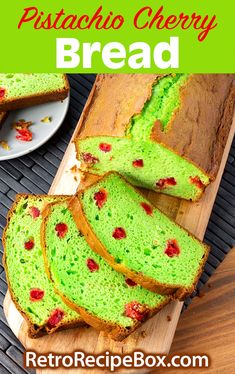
(41, 131)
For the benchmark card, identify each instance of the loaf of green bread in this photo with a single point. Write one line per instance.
(22, 90)
(30, 288)
(137, 239)
(106, 299)
(166, 133)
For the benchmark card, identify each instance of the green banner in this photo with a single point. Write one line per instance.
(117, 36)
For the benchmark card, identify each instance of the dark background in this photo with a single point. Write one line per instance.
(34, 173)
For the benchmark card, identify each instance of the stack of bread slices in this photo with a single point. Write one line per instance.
(105, 257)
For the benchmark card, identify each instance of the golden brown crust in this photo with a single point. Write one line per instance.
(177, 291)
(33, 330)
(27, 101)
(198, 130)
(115, 98)
(114, 331)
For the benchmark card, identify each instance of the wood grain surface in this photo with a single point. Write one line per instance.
(208, 326)
(155, 335)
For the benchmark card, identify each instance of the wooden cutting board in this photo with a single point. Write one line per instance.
(156, 335)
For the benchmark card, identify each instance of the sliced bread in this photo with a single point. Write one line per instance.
(138, 162)
(136, 238)
(166, 133)
(105, 298)
(30, 288)
(23, 90)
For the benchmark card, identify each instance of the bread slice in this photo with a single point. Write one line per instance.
(31, 290)
(23, 90)
(144, 164)
(105, 298)
(3, 116)
(166, 132)
(137, 239)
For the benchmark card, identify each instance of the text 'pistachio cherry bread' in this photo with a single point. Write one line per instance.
(30, 288)
(137, 239)
(23, 90)
(105, 298)
(166, 133)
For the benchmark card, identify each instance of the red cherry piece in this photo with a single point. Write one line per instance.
(135, 310)
(36, 294)
(89, 158)
(34, 212)
(197, 181)
(165, 182)
(138, 163)
(56, 316)
(119, 233)
(105, 147)
(130, 282)
(61, 229)
(100, 197)
(29, 244)
(92, 265)
(172, 248)
(148, 209)
(24, 135)
(2, 92)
